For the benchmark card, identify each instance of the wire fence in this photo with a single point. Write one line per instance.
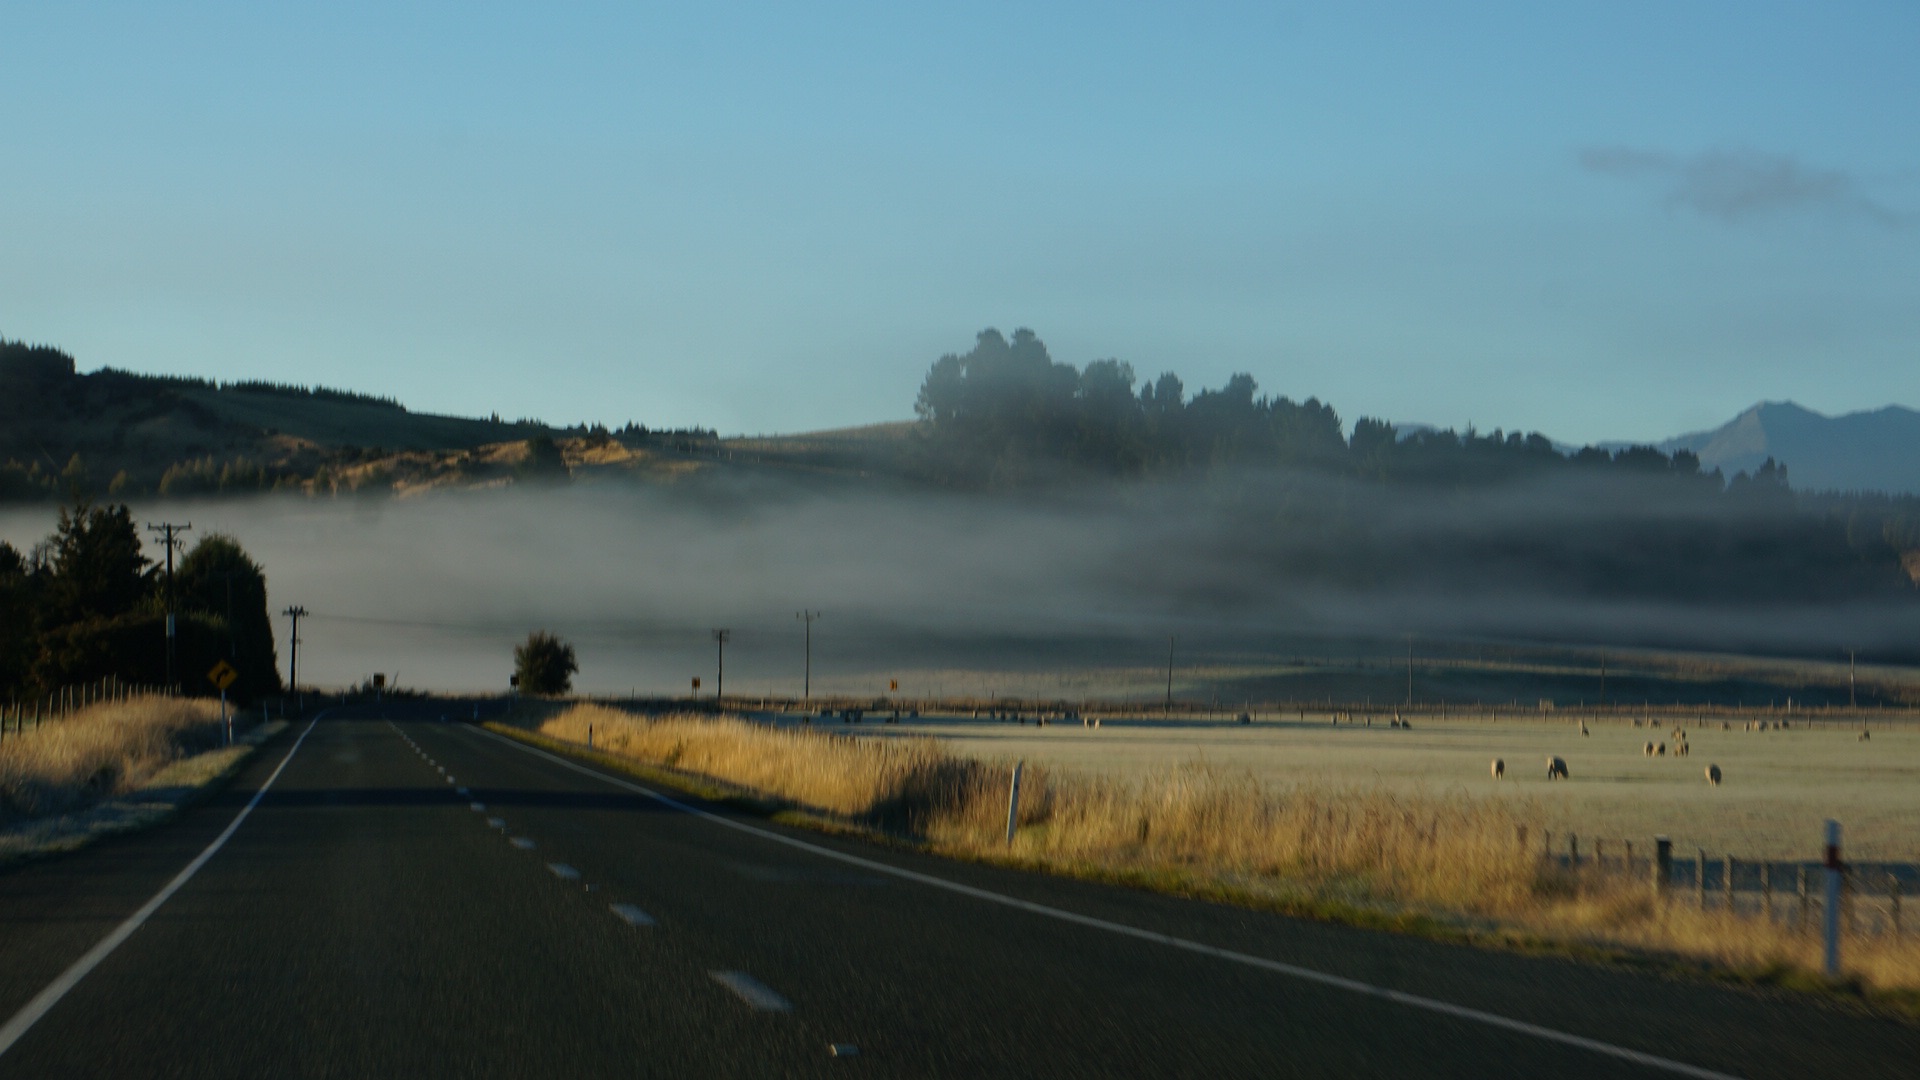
(18, 716)
(1788, 892)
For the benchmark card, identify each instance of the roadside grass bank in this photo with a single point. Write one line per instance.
(1450, 866)
(111, 768)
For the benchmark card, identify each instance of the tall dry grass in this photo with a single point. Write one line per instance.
(97, 753)
(1451, 857)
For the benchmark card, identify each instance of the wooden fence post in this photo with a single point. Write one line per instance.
(1802, 887)
(1662, 865)
(1700, 878)
(1726, 887)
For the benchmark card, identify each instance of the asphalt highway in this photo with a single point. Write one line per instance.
(415, 898)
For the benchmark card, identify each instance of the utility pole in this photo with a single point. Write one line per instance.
(293, 667)
(169, 531)
(720, 638)
(1169, 708)
(806, 691)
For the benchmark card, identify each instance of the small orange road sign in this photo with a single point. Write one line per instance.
(222, 676)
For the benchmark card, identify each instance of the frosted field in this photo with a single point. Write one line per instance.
(1779, 785)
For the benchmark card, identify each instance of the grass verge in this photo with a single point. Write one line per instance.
(1448, 867)
(111, 769)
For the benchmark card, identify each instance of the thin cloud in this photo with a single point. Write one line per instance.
(1741, 185)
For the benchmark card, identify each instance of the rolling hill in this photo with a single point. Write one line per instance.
(1860, 451)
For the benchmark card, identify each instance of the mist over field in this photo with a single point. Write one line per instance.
(435, 590)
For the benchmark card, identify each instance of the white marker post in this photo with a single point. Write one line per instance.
(1013, 800)
(1832, 912)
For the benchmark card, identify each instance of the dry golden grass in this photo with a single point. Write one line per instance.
(98, 753)
(1456, 858)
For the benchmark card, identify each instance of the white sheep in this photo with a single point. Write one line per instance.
(1499, 768)
(1556, 769)
(1713, 775)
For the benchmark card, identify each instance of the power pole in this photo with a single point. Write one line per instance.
(806, 692)
(1409, 671)
(720, 638)
(293, 667)
(169, 531)
(1169, 708)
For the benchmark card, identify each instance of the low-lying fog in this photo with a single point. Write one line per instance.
(435, 591)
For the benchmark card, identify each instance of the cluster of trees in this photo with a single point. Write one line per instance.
(87, 603)
(1006, 412)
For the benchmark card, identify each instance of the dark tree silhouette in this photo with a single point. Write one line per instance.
(545, 664)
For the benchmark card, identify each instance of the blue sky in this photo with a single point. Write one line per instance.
(1619, 220)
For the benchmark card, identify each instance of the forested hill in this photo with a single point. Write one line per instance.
(113, 429)
(1378, 508)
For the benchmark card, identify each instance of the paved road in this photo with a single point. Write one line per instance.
(366, 920)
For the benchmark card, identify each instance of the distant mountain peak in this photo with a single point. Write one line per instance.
(1871, 450)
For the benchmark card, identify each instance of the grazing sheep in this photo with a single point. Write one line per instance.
(1647, 749)
(1406, 725)
(1499, 768)
(1659, 749)
(1556, 769)
(1636, 721)
(1682, 750)
(1713, 775)
(1583, 727)
(1725, 726)
(1866, 736)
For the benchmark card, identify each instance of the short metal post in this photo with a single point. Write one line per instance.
(1662, 865)
(1573, 850)
(1726, 887)
(1766, 888)
(1700, 878)
(1893, 901)
(1013, 800)
(1832, 913)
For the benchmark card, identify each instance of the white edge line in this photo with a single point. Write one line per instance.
(632, 915)
(752, 991)
(46, 999)
(1399, 997)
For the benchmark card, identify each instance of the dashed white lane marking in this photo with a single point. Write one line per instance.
(1304, 974)
(752, 991)
(633, 915)
(563, 871)
(496, 823)
(522, 843)
(46, 999)
(477, 807)
(843, 1049)
(449, 779)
